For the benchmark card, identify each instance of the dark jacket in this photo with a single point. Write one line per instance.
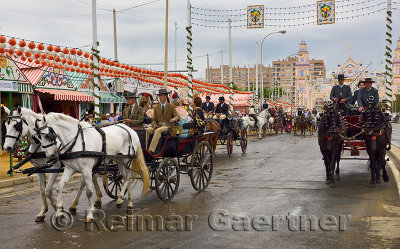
(265, 106)
(341, 92)
(208, 108)
(355, 97)
(364, 94)
(223, 109)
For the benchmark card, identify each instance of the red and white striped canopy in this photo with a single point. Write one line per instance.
(67, 95)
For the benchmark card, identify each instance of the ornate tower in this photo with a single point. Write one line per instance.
(302, 73)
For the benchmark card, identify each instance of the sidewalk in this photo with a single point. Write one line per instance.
(395, 153)
(17, 178)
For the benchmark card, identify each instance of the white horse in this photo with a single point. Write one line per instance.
(270, 123)
(21, 123)
(120, 140)
(314, 120)
(262, 121)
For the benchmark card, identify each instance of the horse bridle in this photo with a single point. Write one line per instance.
(52, 136)
(18, 126)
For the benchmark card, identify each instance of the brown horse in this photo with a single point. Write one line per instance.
(301, 124)
(377, 134)
(212, 125)
(330, 142)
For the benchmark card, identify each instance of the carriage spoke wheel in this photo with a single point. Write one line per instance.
(167, 179)
(201, 166)
(113, 184)
(229, 144)
(243, 140)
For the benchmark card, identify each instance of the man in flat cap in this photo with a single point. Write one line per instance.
(133, 114)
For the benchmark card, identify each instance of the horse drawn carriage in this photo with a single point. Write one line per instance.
(115, 152)
(367, 131)
(302, 124)
(233, 132)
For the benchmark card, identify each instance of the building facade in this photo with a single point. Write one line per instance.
(295, 69)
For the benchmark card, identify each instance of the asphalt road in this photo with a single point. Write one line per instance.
(261, 199)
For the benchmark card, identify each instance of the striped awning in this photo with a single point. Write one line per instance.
(67, 95)
(25, 88)
(76, 78)
(34, 74)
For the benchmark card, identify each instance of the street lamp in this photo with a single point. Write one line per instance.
(262, 73)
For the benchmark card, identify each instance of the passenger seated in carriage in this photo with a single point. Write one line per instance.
(341, 95)
(183, 115)
(198, 116)
(133, 114)
(365, 93)
(144, 103)
(252, 115)
(221, 112)
(165, 116)
(208, 108)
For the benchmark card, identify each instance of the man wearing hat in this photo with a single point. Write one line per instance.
(165, 116)
(208, 108)
(342, 94)
(366, 92)
(222, 109)
(133, 114)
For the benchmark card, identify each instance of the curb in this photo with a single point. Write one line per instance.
(22, 180)
(395, 153)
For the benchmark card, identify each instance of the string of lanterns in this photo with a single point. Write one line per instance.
(76, 60)
(290, 25)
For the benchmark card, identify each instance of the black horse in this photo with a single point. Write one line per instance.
(330, 142)
(377, 135)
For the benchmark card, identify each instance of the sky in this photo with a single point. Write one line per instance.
(140, 31)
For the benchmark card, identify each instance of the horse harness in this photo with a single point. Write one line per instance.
(67, 154)
(18, 126)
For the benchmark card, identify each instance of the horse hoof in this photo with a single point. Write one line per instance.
(337, 177)
(129, 210)
(88, 220)
(332, 185)
(39, 219)
(385, 178)
(372, 185)
(97, 204)
(119, 205)
(72, 210)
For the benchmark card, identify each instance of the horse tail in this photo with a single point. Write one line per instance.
(139, 165)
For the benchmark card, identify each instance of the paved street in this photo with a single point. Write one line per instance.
(280, 182)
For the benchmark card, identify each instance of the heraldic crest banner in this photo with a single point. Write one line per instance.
(325, 12)
(255, 16)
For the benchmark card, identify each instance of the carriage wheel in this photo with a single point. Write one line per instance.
(243, 140)
(113, 184)
(152, 171)
(229, 144)
(167, 179)
(201, 166)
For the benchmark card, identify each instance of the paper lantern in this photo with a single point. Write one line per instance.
(19, 52)
(43, 56)
(91, 57)
(86, 55)
(50, 48)
(63, 60)
(69, 62)
(43, 63)
(57, 59)
(40, 46)
(79, 52)
(75, 63)
(65, 51)
(72, 51)
(12, 42)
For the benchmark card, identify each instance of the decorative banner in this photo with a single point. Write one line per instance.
(255, 16)
(325, 12)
